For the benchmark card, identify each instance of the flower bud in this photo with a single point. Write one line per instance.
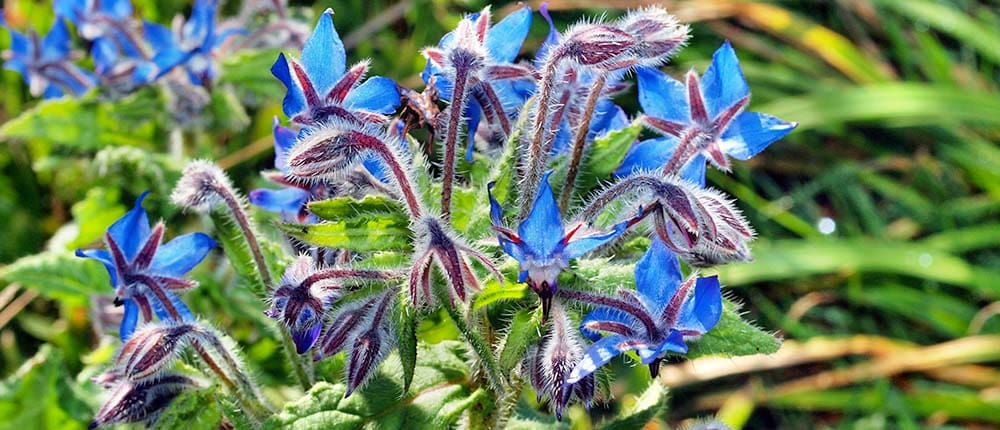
(201, 186)
(141, 400)
(151, 349)
(300, 301)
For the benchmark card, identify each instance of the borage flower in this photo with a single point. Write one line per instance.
(45, 63)
(146, 272)
(658, 317)
(701, 118)
(191, 45)
(102, 19)
(305, 294)
(498, 87)
(543, 246)
(321, 88)
(142, 401)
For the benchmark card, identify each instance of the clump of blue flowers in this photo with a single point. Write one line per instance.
(380, 231)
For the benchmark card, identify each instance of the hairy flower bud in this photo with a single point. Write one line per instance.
(436, 244)
(141, 400)
(152, 349)
(301, 299)
(552, 361)
(202, 186)
(657, 33)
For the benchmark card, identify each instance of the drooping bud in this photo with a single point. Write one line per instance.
(552, 361)
(202, 185)
(372, 344)
(152, 349)
(436, 244)
(301, 299)
(141, 401)
(658, 34)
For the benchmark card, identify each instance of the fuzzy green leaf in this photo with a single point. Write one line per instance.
(605, 155)
(406, 331)
(60, 276)
(234, 244)
(40, 395)
(733, 337)
(341, 208)
(192, 410)
(437, 398)
(523, 332)
(362, 234)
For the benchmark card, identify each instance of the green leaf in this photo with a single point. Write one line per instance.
(340, 208)
(98, 210)
(363, 234)
(406, 331)
(733, 337)
(652, 402)
(249, 72)
(227, 113)
(234, 244)
(86, 123)
(40, 395)
(604, 156)
(192, 410)
(528, 418)
(59, 276)
(440, 393)
(524, 330)
(495, 292)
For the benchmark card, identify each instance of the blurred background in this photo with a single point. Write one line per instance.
(878, 257)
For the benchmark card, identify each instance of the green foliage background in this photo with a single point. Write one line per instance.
(888, 320)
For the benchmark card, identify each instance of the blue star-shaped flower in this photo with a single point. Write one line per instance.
(502, 42)
(701, 119)
(146, 272)
(656, 318)
(320, 86)
(192, 48)
(44, 63)
(101, 19)
(542, 245)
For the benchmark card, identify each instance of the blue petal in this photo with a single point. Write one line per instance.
(295, 100)
(663, 96)
(657, 275)
(158, 36)
(473, 114)
(542, 230)
(64, 9)
(581, 246)
(694, 170)
(105, 55)
(605, 313)
(607, 117)
(284, 140)
(161, 311)
(180, 255)
(131, 230)
(599, 354)
(377, 94)
(117, 8)
(647, 155)
(701, 311)
(551, 40)
(56, 44)
(201, 26)
(52, 92)
(323, 55)
(104, 257)
(752, 132)
(496, 217)
(286, 201)
(304, 339)
(77, 81)
(674, 343)
(723, 83)
(504, 39)
(129, 320)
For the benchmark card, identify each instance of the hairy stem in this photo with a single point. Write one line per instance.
(535, 156)
(243, 389)
(457, 108)
(616, 191)
(483, 350)
(243, 220)
(580, 141)
(301, 367)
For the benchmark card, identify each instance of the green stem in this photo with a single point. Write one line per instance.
(301, 364)
(483, 350)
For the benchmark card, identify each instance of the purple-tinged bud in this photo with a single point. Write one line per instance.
(325, 153)
(141, 401)
(436, 244)
(202, 186)
(657, 33)
(552, 361)
(301, 300)
(721, 235)
(371, 345)
(152, 349)
(597, 45)
(345, 326)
